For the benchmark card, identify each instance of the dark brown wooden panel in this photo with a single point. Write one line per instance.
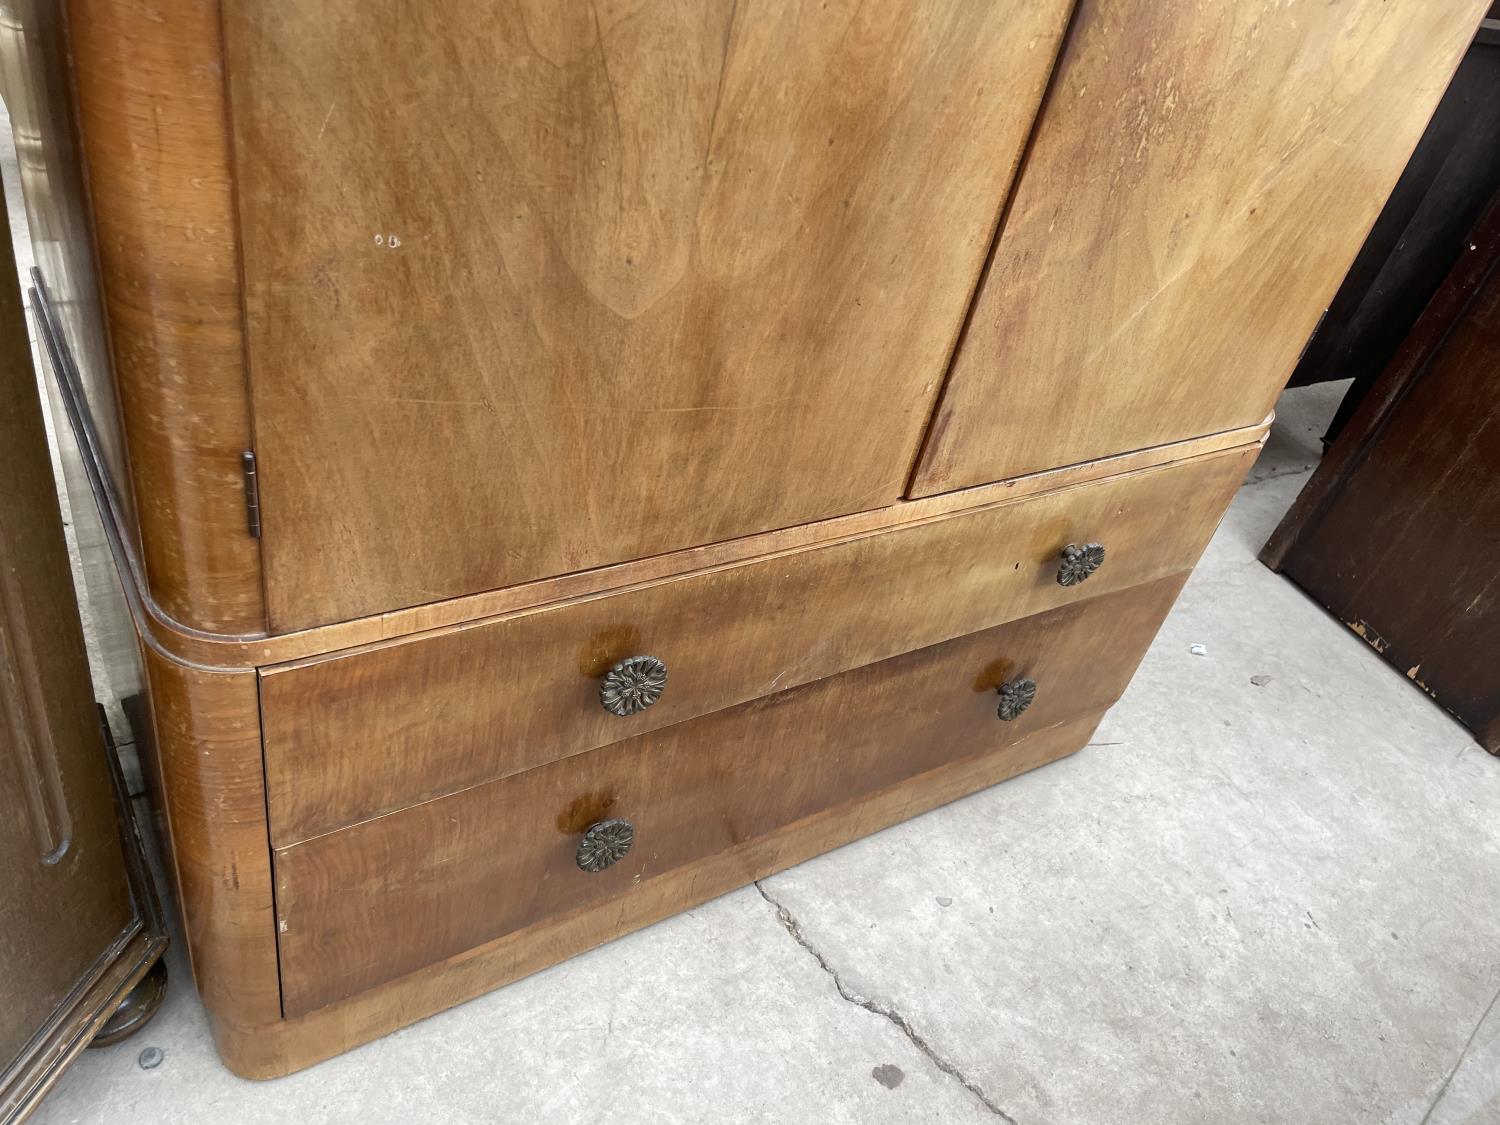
(74, 935)
(1398, 532)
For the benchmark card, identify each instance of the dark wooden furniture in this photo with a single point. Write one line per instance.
(82, 927)
(1398, 530)
(1421, 233)
(576, 459)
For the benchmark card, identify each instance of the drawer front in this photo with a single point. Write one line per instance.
(359, 735)
(370, 903)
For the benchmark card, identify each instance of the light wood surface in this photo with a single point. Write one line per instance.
(207, 767)
(356, 736)
(151, 113)
(535, 287)
(230, 652)
(284, 1046)
(457, 872)
(1200, 178)
(576, 332)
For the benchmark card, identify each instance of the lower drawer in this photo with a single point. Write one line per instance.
(364, 905)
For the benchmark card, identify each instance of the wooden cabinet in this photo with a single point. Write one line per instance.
(1200, 178)
(83, 933)
(852, 360)
(1398, 531)
(455, 873)
(569, 283)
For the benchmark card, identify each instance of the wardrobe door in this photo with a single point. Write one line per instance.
(1200, 178)
(533, 286)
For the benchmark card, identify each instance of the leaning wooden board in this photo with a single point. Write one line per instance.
(522, 402)
(1398, 530)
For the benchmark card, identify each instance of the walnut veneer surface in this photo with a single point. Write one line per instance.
(581, 293)
(788, 343)
(691, 790)
(353, 736)
(1159, 277)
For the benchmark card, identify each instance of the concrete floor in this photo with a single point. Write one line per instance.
(1247, 901)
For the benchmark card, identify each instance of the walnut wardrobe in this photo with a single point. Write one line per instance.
(568, 460)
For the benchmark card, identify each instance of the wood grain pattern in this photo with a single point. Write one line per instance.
(151, 113)
(466, 869)
(534, 287)
(1200, 178)
(208, 757)
(355, 736)
(229, 653)
(1421, 233)
(299, 1041)
(1401, 535)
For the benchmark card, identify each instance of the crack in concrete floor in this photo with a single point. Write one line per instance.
(1459, 1062)
(790, 925)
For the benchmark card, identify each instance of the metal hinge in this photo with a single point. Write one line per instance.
(252, 494)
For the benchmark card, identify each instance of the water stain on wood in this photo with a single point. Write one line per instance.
(584, 811)
(608, 647)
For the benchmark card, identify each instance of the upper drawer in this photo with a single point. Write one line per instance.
(349, 737)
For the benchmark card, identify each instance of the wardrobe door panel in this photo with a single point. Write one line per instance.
(537, 285)
(1200, 178)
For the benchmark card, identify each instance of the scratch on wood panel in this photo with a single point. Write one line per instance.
(713, 120)
(1178, 275)
(326, 118)
(405, 401)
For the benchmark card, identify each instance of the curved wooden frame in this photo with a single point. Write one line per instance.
(152, 116)
(155, 135)
(227, 652)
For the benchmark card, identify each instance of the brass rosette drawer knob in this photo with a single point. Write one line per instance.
(605, 844)
(633, 685)
(1015, 696)
(1079, 562)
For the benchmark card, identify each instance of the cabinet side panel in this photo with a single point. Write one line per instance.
(1197, 185)
(152, 118)
(1404, 547)
(208, 749)
(62, 874)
